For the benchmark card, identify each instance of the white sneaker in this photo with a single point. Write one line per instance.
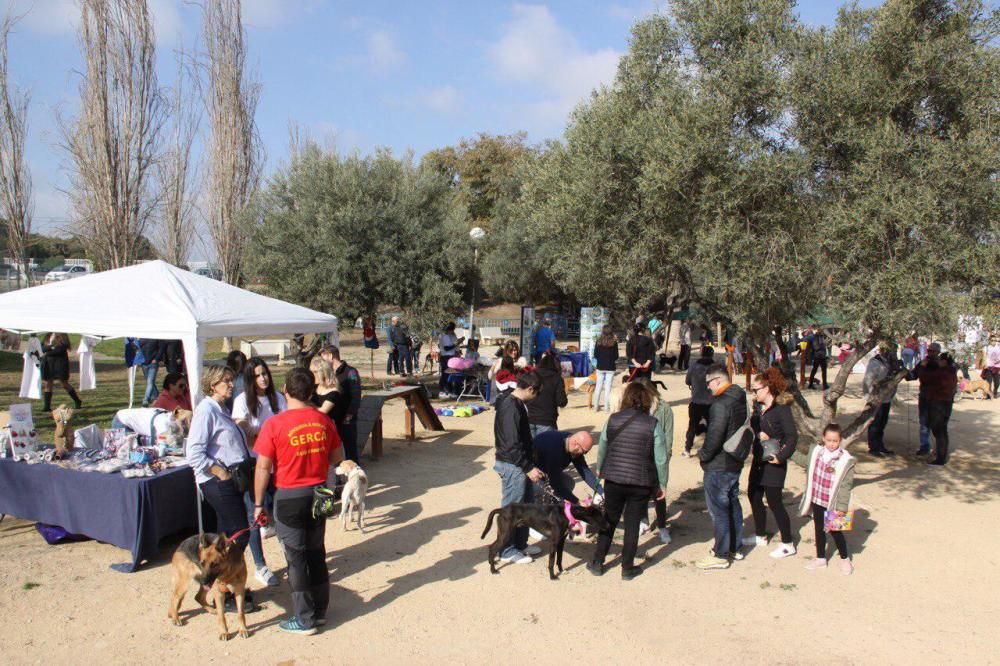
(532, 550)
(754, 541)
(266, 577)
(643, 527)
(517, 557)
(535, 534)
(784, 550)
(268, 532)
(664, 535)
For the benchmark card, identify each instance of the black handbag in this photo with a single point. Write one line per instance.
(242, 473)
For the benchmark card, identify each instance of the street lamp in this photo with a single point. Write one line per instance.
(476, 235)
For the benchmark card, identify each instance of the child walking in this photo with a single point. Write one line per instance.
(829, 481)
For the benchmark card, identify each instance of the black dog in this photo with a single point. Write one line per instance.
(667, 360)
(549, 519)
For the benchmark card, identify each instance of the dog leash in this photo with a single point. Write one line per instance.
(259, 521)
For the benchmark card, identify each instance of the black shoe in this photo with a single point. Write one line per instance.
(888, 452)
(248, 605)
(595, 568)
(877, 454)
(936, 463)
(631, 572)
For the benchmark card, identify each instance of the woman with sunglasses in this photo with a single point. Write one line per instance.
(774, 444)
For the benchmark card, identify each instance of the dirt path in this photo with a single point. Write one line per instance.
(416, 587)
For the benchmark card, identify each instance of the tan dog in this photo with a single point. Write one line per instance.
(353, 495)
(969, 387)
(63, 438)
(215, 564)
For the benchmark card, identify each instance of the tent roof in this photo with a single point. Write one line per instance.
(155, 300)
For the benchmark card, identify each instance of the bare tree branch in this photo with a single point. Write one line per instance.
(113, 145)
(177, 176)
(16, 203)
(235, 152)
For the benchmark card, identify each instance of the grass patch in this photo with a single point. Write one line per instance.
(677, 564)
(30, 586)
(765, 585)
(788, 587)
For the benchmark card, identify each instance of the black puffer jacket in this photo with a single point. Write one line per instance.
(544, 409)
(629, 459)
(726, 415)
(511, 434)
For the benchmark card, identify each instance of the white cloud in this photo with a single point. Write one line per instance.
(48, 17)
(61, 17)
(383, 54)
(534, 49)
(443, 99)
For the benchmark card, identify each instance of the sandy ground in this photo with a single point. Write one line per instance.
(415, 587)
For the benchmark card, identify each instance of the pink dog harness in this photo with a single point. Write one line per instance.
(574, 524)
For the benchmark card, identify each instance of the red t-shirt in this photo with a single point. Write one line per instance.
(299, 441)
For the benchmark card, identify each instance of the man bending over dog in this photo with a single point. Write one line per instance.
(299, 445)
(554, 451)
(514, 464)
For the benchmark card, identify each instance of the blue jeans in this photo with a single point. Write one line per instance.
(515, 487)
(604, 380)
(722, 494)
(149, 372)
(405, 359)
(876, 431)
(537, 430)
(256, 547)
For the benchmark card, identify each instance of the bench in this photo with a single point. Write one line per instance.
(489, 334)
(370, 415)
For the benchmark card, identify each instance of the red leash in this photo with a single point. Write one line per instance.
(259, 521)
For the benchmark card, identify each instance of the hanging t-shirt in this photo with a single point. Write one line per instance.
(31, 380)
(299, 442)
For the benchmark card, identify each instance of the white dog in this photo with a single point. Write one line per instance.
(353, 496)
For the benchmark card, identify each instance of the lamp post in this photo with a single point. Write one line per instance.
(476, 235)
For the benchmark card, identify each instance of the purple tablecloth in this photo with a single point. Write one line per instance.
(133, 514)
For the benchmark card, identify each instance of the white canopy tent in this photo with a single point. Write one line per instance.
(160, 301)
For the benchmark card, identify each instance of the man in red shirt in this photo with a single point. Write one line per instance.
(298, 446)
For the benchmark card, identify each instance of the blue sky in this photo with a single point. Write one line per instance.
(407, 75)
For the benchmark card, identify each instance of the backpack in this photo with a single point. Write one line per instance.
(740, 444)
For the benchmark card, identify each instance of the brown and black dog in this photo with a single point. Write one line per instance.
(549, 519)
(210, 559)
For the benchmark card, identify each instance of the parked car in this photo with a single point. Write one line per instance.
(213, 273)
(65, 273)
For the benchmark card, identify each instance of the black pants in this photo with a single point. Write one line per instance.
(993, 379)
(230, 509)
(684, 358)
(392, 362)
(349, 438)
(632, 500)
(818, 363)
(696, 414)
(876, 431)
(660, 506)
(302, 538)
(773, 495)
(819, 515)
(938, 415)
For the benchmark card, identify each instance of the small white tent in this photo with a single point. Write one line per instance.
(160, 301)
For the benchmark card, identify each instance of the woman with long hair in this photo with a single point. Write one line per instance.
(251, 409)
(510, 350)
(606, 353)
(774, 444)
(631, 459)
(328, 395)
(55, 367)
